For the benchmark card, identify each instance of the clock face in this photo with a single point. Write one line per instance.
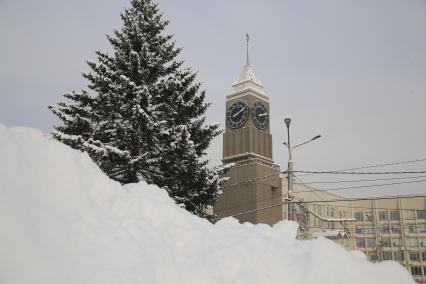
(260, 115)
(237, 115)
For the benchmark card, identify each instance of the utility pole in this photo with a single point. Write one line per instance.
(290, 195)
(289, 172)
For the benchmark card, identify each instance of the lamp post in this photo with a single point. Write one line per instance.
(287, 122)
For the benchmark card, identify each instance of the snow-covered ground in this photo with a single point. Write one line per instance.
(63, 221)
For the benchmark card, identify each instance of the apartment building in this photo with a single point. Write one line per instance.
(384, 228)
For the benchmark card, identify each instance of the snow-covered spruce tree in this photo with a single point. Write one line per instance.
(144, 119)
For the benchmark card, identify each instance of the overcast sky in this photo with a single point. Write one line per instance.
(353, 71)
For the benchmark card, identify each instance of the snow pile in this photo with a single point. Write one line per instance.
(63, 221)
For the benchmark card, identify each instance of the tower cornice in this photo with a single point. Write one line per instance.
(248, 90)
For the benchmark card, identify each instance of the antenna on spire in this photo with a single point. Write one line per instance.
(247, 54)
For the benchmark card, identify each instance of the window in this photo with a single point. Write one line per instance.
(374, 257)
(358, 216)
(414, 256)
(412, 228)
(369, 229)
(416, 270)
(387, 255)
(399, 255)
(412, 242)
(386, 242)
(360, 243)
(385, 229)
(394, 214)
(396, 229)
(369, 216)
(410, 214)
(424, 255)
(359, 229)
(383, 215)
(318, 209)
(421, 228)
(397, 242)
(421, 214)
(371, 242)
(422, 242)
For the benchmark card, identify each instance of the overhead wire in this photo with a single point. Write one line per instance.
(329, 201)
(377, 165)
(360, 173)
(337, 172)
(360, 180)
(315, 191)
(372, 231)
(342, 206)
(325, 190)
(370, 209)
(250, 180)
(366, 186)
(365, 198)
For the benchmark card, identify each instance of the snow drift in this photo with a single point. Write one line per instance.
(63, 221)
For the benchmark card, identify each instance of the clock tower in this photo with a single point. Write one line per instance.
(254, 181)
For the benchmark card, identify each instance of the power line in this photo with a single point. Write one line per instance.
(366, 186)
(364, 198)
(350, 207)
(325, 172)
(313, 190)
(359, 180)
(257, 195)
(359, 207)
(250, 180)
(377, 165)
(360, 173)
(373, 230)
(325, 201)
(318, 202)
(249, 202)
(250, 211)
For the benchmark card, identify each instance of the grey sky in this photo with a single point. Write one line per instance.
(353, 71)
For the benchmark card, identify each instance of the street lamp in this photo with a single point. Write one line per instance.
(290, 166)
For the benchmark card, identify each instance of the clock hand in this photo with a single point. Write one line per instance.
(238, 112)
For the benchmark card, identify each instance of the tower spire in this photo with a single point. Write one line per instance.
(247, 50)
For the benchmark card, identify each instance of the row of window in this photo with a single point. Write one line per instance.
(360, 229)
(372, 242)
(388, 255)
(328, 211)
(391, 215)
(414, 228)
(399, 256)
(388, 242)
(387, 229)
(418, 270)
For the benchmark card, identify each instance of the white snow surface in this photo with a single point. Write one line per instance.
(63, 221)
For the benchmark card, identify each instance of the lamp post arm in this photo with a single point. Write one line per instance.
(303, 143)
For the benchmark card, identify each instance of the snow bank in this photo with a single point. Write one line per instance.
(63, 221)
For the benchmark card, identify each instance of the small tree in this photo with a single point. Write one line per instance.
(145, 119)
